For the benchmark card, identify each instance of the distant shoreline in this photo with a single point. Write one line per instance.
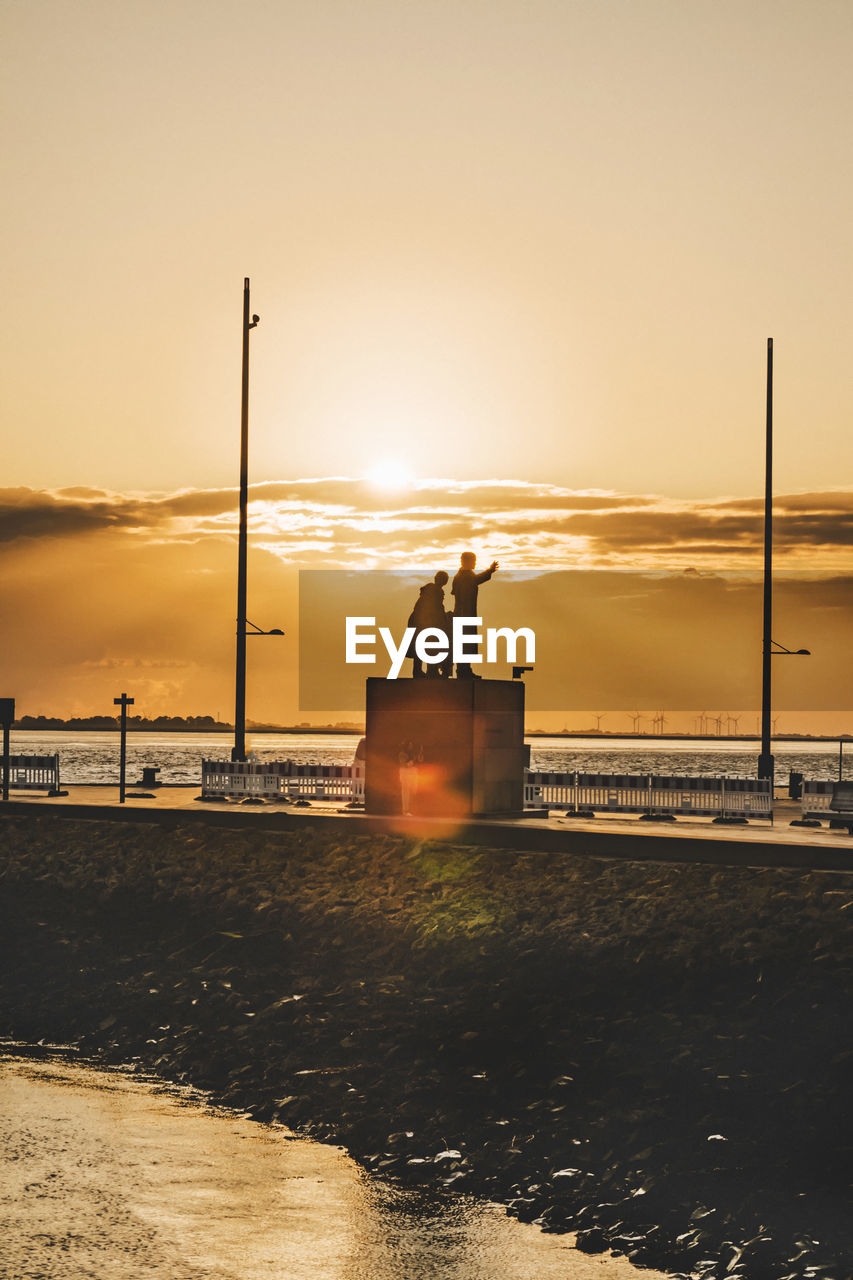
(93, 726)
(98, 726)
(690, 737)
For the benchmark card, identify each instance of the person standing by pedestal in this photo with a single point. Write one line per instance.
(464, 592)
(409, 756)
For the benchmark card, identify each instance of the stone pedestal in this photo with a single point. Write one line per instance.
(466, 738)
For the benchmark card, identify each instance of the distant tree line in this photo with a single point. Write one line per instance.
(177, 724)
(187, 724)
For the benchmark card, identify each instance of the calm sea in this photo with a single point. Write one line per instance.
(93, 757)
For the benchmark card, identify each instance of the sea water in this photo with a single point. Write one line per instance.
(92, 757)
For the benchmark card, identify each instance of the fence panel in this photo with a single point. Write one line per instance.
(282, 780)
(605, 793)
(650, 793)
(34, 773)
(816, 798)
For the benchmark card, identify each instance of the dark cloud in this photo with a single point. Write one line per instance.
(816, 530)
(833, 502)
(617, 530)
(26, 513)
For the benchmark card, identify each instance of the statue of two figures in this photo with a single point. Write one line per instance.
(429, 613)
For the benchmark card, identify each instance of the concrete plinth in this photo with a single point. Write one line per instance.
(466, 738)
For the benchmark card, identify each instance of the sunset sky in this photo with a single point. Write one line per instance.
(520, 259)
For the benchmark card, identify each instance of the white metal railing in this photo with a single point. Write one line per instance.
(33, 773)
(608, 793)
(282, 780)
(816, 799)
(650, 793)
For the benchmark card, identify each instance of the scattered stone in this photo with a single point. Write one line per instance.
(676, 1031)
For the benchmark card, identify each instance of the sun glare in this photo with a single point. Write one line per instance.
(389, 474)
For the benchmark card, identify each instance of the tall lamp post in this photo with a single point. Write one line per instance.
(770, 648)
(238, 751)
(765, 759)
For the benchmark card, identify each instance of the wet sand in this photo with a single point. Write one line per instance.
(105, 1175)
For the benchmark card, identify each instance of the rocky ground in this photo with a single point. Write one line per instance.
(657, 1057)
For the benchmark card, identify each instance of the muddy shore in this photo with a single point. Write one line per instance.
(657, 1057)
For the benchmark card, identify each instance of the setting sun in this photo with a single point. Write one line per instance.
(389, 474)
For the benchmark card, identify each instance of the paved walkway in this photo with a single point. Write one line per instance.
(624, 836)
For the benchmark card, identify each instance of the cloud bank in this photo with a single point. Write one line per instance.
(104, 591)
(341, 522)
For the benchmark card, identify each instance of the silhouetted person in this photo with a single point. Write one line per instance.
(464, 591)
(409, 756)
(429, 611)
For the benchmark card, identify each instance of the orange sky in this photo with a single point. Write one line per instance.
(105, 591)
(535, 248)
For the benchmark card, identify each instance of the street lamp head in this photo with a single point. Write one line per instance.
(258, 631)
(791, 653)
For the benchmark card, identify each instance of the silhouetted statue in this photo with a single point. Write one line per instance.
(429, 611)
(464, 590)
